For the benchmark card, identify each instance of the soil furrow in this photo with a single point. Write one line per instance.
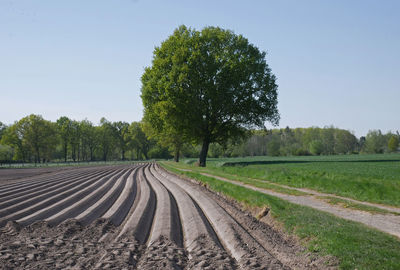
(51, 183)
(29, 199)
(33, 185)
(119, 210)
(79, 206)
(51, 208)
(38, 179)
(58, 198)
(105, 202)
(243, 247)
(204, 250)
(139, 222)
(164, 247)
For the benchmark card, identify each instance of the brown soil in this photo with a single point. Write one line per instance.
(135, 217)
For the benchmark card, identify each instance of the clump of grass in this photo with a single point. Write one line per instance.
(355, 245)
(264, 211)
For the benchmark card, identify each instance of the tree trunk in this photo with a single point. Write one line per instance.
(176, 155)
(123, 154)
(65, 152)
(37, 155)
(203, 153)
(137, 153)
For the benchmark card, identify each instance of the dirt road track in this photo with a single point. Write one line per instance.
(133, 217)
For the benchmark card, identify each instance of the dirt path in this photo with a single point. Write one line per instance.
(135, 217)
(320, 194)
(388, 223)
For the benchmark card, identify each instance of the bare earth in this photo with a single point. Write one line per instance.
(8, 176)
(134, 217)
(388, 223)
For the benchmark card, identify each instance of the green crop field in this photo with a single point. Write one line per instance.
(373, 178)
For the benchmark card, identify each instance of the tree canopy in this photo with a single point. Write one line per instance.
(208, 86)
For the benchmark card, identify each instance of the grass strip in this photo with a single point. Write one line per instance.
(357, 206)
(372, 178)
(245, 180)
(355, 245)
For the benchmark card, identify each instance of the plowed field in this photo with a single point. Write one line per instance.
(133, 217)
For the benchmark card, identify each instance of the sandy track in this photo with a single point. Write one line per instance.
(135, 217)
(388, 223)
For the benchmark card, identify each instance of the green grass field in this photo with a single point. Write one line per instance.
(373, 178)
(355, 246)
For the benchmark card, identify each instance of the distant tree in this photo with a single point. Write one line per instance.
(316, 147)
(393, 144)
(139, 140)
(11, 138)
(64, 131)
(375, 142)
(164, 133)
(106, 137)
(75, 140)
(209, 85)
(273, 146)
(90, 139)
(121, 130)
(2, 129)
(328, 140)
(6, 153)
(39, 135)
(345, 142)
(361, 143)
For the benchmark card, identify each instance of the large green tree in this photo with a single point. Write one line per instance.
(209, 85)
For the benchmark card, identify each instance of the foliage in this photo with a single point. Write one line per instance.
(375, 142)
(64, 131)
(37, 135)
(207, 86)
(121, 130)
(35, 139)
(297, 142)
(139, 141)
(72, 140)
(2, 129)
(6, 153)
(316, 147)
(393, 143)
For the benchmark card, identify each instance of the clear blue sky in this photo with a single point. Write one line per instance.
(337, 62)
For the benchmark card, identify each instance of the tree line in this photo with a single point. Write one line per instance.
(307, 141)
(34, 139)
